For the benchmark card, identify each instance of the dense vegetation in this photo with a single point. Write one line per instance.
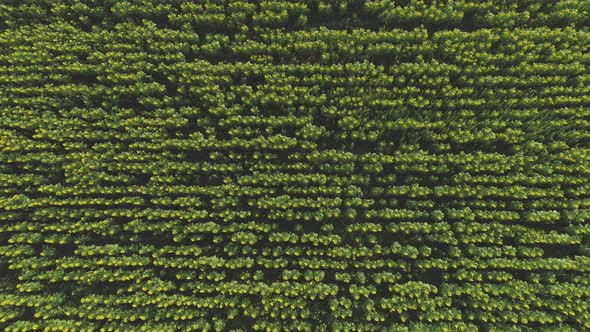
(172, 165)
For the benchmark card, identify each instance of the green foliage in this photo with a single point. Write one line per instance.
(300, 165)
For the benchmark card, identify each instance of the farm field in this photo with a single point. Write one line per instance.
(301, 165)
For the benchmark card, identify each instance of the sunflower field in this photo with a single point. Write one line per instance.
(294, 165)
